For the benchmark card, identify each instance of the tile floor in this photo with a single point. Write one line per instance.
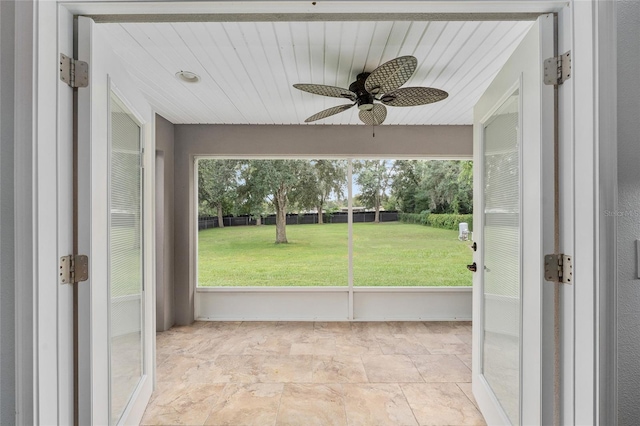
(322, 373)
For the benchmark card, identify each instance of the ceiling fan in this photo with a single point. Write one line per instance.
(383, 86)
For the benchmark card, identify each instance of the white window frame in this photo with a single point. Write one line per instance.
(323, 303)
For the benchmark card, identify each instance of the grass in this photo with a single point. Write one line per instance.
(385, 254)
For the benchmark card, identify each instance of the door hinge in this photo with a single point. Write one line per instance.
(74, 269)
(558, 268)
(557, 69)
(73, 72)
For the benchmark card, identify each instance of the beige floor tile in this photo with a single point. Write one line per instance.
(331, 329)
(338, 369)
(405, 344)
(441, 343)
(312, 404)
(441, 404)
(250, 326)
(181, 403)
(390, 369)
(370, 328)
(238, 343)
(321, 346)
(357, 344)
(359, 338)
(208, 346)
(272, 345)
(377, 404)
(466, 388)
(168, 343)
(226, 369)
(162, 357)
(286, 369)
(175, 368)
(307, 366)
(466, 358)
(407, 327)
(247, 404)
(357, 350)
(295, 332)
(441, 368)
(466, 338)
(208, 327)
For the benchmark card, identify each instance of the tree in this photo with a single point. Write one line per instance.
(437, 186)
(406, 180)
(448, 187)
(327, 177)
(463, 203)
(217, 184)
(279, 182)
(373, 177)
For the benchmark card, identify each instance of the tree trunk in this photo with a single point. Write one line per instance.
(220, 218)
(281, 216)
(320, 219)
(377, 216)
(258, 220)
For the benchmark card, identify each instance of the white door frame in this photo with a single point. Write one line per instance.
(587, 131)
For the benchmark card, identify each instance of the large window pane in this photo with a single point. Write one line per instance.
(406, 215)
(272, 222)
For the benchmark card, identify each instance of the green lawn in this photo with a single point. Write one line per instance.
(385, 254)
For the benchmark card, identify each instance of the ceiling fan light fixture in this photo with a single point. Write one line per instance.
(188, 76)
(365, 107)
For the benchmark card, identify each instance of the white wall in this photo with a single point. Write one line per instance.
(628, 211)
(7, 275)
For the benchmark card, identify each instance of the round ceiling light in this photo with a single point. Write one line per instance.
(188, 76)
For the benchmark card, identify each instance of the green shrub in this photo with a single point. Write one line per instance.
(446, 221)
(449, 221)
(417, 218)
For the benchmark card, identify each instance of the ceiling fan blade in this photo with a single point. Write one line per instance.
(412, 96)
(391, 75)
(328, 112)
(331, 91)
(375, 116)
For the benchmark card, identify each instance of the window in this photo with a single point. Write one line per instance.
(284, 222)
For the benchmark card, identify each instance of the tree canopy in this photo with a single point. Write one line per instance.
(281, 182)
(217, 185)
(373, 177)
(437, 186)
(259, 187)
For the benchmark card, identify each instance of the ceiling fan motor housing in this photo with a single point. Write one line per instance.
(363, 98)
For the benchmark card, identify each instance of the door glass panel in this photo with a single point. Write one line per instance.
(501, 272)
(125, 266)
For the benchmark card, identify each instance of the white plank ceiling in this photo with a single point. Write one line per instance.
(247, 69)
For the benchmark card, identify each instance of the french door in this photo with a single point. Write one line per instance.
(116, 323)
(513, 137)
